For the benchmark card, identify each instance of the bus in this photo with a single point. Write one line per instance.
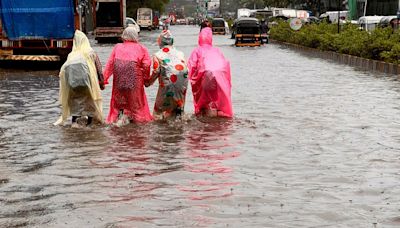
(145, 18)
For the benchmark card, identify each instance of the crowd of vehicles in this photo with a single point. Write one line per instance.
(366, 23)
(52, 41)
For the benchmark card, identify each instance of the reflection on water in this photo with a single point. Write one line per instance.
(208, 147)
(312, 144)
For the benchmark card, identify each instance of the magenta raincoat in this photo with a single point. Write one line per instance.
(210, 77)
(129, 64)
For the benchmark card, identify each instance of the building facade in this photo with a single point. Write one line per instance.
(359, 8)
(373, 7)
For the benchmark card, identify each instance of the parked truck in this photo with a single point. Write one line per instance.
(109, 19)
(37, 30)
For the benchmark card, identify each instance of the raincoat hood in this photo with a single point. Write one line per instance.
(165, 39)
(130, 34)
(129, 65)
(81, 52)
(210, 77)
(205, 37)
(81, 43)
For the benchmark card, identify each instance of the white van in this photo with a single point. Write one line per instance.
(369, 23)
(145, 18)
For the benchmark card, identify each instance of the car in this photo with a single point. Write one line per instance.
(190, 20)
(131, 22)
(181, 21)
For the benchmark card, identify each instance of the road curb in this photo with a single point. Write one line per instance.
(351, 60)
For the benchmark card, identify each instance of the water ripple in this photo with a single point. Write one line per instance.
(312, 144)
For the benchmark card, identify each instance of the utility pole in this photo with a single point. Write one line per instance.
(398, 11)
(365, 7)
(220, 8)
(338, 16)
(319, 8)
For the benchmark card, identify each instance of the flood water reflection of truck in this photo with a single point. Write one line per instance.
(37, 30)
(109, 19)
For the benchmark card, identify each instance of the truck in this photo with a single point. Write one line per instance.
(145, 18)
(332, 16)
(109, 19)
(37, 30)
(243, 12)
(290, 13)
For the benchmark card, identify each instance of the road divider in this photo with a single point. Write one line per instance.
(351, 60)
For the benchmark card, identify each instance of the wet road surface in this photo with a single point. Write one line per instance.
(313, 144)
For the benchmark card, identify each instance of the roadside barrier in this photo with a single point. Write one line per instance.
(351, 60)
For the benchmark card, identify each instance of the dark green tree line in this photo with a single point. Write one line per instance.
(133, 5)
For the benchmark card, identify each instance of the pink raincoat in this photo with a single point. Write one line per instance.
(129, 63)
(210, 77)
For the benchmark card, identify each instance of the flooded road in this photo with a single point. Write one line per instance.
(313, 144)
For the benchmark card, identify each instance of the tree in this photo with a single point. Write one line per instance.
(252, 4)
(133, 5)
(279, 3)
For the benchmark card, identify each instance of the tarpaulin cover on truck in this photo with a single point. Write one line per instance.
(37, 19)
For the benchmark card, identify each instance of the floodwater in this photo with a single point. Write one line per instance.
(312, 144)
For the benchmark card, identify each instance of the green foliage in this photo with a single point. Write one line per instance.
(230, 22)
(251, 3)
(380, 44)
(393, 55)
(133, 5)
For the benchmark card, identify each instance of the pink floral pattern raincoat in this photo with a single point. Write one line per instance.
(169, 67)
(129, 63)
